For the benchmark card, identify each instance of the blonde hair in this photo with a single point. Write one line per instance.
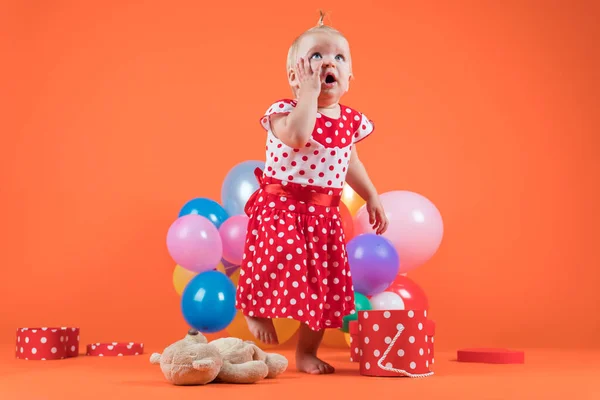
(320, 27)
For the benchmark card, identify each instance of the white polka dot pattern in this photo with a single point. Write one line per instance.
(115, 349)
(393, 344)
(295, 263)
(47, 343)
(324, 160)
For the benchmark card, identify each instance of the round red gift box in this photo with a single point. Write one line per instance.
(354, 345)
(394, 343)
(115, 349)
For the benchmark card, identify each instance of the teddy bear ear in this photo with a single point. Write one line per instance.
(155, 358)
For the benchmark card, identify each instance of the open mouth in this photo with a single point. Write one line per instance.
(329, 79)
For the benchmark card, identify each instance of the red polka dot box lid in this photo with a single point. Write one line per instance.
(115, 349)
(394, 343)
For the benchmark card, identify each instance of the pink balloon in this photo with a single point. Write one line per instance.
(194, 243)
(233, 235)
(415, 227)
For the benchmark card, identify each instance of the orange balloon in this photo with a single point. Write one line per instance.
(347, 222)
(347, 337)
(334, 338)
(221, 268)
(235, 277)
(285, 327)
(181, 277)
(351, 199)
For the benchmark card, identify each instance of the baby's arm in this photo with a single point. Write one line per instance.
(295, 128)
(358, 179)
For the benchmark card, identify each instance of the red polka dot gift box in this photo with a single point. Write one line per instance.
(394, 343)
(430, 330)
(47, 343)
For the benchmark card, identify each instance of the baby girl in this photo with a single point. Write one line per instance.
(295, 263)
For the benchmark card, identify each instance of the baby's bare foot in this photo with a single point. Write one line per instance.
(262, 329)
(309, 363)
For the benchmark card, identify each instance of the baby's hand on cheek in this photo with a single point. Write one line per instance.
(308, 80)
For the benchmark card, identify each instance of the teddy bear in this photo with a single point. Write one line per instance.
(194, 361)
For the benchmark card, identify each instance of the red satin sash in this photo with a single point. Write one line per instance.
(293, 192)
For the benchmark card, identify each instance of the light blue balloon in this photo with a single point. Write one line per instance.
(238, 186)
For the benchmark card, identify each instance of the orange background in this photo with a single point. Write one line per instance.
(118, 113)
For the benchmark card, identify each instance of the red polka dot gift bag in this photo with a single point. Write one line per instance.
(394, 343)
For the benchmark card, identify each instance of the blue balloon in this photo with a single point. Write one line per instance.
(374, 263)
(238, 186)
(207, 208)
(208, 302)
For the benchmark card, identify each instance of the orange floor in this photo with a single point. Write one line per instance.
(545, 375)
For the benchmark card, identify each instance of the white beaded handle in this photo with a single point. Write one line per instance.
(392, 369)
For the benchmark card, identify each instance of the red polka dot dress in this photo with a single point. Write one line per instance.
(295, 263)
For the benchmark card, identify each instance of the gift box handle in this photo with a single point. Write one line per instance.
(396, 370)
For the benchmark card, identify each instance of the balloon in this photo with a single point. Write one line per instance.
(207, 208)
(334, 338)
(347, 338)
(347, 222)
(221, 268)
(387, 301)
(374, 263)
(181, 278)
(285, 327)
(238, 186)
(229, 268)
(412, 295)
(208, 302)
(361, 303)
(194, 243)
(415, 226)
(351, 199)
(233, 235)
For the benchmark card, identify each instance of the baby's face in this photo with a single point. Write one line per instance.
(333, 50)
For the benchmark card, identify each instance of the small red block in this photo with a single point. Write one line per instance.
(491, 356)
(115, 349)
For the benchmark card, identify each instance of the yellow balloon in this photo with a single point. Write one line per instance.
(334, 338)
(235, 277)
(181, 277)
(221, 268)
(347, 337)
(285, 327)
(351, 199)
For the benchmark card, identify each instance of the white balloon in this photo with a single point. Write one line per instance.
(387, 301)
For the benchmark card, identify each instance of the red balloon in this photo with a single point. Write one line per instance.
(413, 295)
(347, 222)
